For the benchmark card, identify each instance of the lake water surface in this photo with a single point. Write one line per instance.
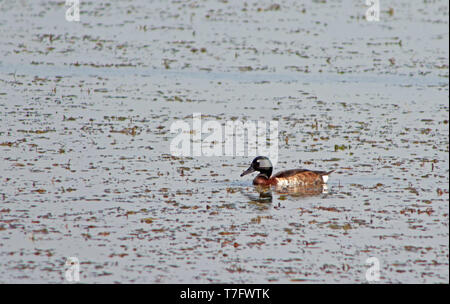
(85, 164)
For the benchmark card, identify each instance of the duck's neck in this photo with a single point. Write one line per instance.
(266, 172)
(263, 179)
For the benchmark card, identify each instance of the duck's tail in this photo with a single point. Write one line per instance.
(325, 175)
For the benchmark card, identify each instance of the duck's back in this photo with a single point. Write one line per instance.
(300, 177)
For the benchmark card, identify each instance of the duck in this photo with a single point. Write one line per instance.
(287, 178)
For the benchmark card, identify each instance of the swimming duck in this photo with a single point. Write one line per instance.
(288, 178)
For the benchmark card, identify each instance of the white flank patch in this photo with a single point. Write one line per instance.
(324, 178)
(283, 182)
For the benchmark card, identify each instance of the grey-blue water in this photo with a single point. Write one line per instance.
(85, 164)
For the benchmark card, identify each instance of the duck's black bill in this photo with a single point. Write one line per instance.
(248, 171)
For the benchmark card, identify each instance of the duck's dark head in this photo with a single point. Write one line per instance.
(261, 164)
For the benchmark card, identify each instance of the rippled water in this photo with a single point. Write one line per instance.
(86, 169)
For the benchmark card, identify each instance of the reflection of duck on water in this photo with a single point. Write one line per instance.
(266, 196)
